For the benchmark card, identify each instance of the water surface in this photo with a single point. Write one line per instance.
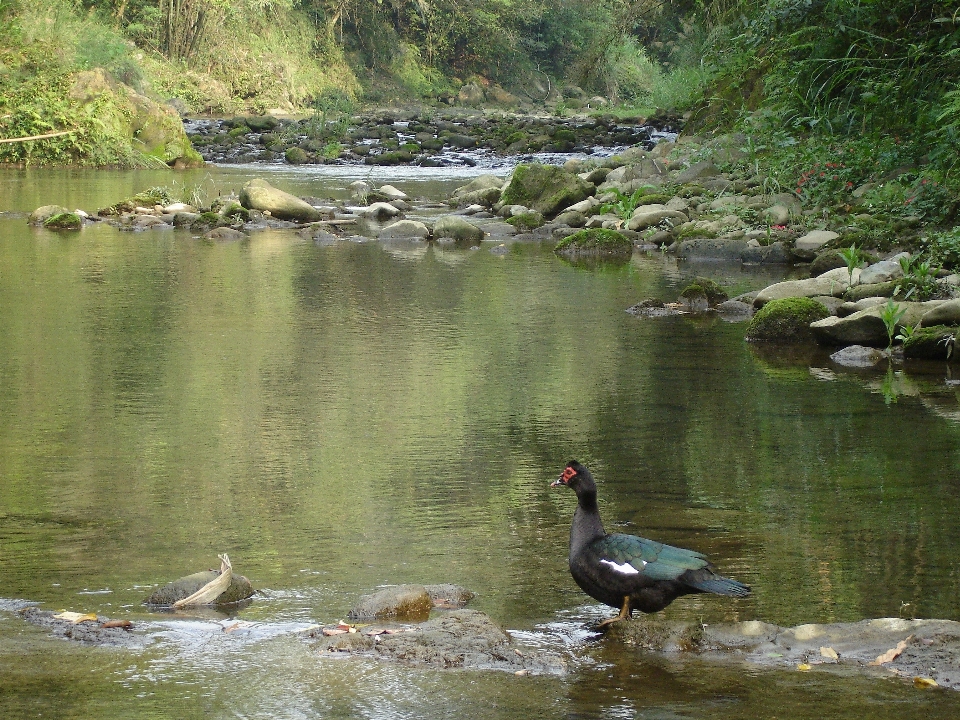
(344, 417)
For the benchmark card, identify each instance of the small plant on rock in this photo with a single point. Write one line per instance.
(891, 315)
(854, 257)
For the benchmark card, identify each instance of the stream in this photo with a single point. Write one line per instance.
(344, 417)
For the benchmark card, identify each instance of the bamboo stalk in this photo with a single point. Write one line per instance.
(39, 137)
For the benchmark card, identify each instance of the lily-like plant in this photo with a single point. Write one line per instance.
(891, 315)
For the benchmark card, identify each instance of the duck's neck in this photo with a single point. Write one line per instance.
(586, 526)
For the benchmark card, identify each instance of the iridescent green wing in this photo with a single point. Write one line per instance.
(629, 553)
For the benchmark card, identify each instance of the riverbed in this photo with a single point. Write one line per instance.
(347, 416)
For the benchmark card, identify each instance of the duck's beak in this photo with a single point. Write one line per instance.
(559, 482)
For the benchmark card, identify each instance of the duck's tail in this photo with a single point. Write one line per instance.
(721, 586)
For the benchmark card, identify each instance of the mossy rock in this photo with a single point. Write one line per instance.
(597, 242)
(235, 211)
(209, 220)
(826, 261)
(654, 199)
(545, 188)
(526, 221)
(296, 156)
(148, 198)
(63, 221)
(932, 343)
(786, 320)
(705, 288)
(691, 190)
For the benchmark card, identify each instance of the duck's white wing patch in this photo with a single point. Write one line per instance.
(625, 568)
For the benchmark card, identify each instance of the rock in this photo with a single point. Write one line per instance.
(152, 129)
(705, 288)
(946, 313)
(470, 94)
(63, 221)
(806, 247)
(178, 207)
(858, 356)
(225, 233)
(777, 214)
(448, 596)
(572, 218)
(405, 230)
(648, 215)
(463, 142)
(498, 95)
(833, 283)
(850, 307)
(545, 188)
(860, 292)
(101, 631)
(932, 343)
(240, 589)
(483, 190)
(584, 206)
(832, 304)
(406, 602)
(44, 213)
(296, 156)
(380, 211)
(260, 195)
(825, 261)
(391, 193)
(734, 310)
(723, 249)
(697, 171)
(883, 271)
(865, 326)
(773, 254)
(595, 242)
(454, 639)
(458, 228)
(786, 320)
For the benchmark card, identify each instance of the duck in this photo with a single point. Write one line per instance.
(630, 572)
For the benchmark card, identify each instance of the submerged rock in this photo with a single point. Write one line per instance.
(858, 356)
(89, 629)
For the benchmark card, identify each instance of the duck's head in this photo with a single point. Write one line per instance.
(575, 476)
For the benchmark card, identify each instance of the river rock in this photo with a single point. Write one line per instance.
(883, 271)
(392, 193)
(648, 215)
(834, 282)
(458, 228)
(865, 327)
(101, 631)
(946, 313)
(697, 171)
(239, 589)
(260, 195)
(545, 188)
(405, 230)
(777, 214)
(786, 320)
(858, 356)
(483, 190)
(935, 342)
(380, 211)
(44, 213)
(409, 602)
(449, 596)
(865, 292)
(807, 246)
(225, 233)
(773, 254)
(453, 639)
(850, 307)
(723, 249)
(63, 221)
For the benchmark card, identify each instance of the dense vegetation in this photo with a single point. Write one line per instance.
(829, 95)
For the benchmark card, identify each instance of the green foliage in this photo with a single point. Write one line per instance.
(854, 258)
(596, 241)
(63, 221)
(891, 315)
(786, 320)
(943, 248)
(932, 343)
(623, 205)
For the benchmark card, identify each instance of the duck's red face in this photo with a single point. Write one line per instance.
(566, 476)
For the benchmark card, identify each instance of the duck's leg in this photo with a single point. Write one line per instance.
(624, 613)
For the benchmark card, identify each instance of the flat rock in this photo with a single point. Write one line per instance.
(826, 284)
(946, 313)
(865, 327)
(806, 247)
(405, 230)
(410, 602)
(720, 249)
(649, 215)
(883, 271)
(98, 631)
(260, 195)
(452, 639)
(858, 356)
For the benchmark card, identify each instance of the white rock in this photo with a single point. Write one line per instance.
(391, 192)
(814, 240)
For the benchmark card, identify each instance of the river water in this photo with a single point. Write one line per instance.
(339, 418)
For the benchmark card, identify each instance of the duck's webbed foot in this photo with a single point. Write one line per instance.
(624, 614)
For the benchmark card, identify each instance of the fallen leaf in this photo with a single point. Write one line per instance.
(803, 667)
(125, 624)
(334, 631)
(922, 683)
(232, 628)
(892, 654)
(829, 652)
(76, 617)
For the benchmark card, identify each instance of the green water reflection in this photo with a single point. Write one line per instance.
(338, 418)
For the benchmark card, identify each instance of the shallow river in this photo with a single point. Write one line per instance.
(344, 417)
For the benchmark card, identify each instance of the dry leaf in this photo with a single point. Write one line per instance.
(829, 652)
(892, 654)
(803, 667)
(76, 617)
(334, 631)
(922, 683)
(232, 628)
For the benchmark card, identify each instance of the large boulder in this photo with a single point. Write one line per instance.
(595, 242)
(150, 128)
(932, 343)
(260, 195)
(405, 230)
(945, 313)
(545, 188)
(649, 215)
(483, 190)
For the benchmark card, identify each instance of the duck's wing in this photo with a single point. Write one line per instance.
(628, 555)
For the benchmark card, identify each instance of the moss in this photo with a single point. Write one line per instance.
(695, 232)
(786, 320)
(236, 211)
(208, 220)
(545, 188)
(148, 198)
(63, 221)
(595, 241)
(932, 343)
(296, 156)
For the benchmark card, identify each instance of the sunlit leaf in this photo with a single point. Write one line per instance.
(76, 617)
(891, 654)
(922, 683)
(829, 652)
